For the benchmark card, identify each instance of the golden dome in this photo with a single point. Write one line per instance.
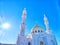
(37, 27)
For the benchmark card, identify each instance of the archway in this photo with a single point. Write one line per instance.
(29, 43)
(41, 43)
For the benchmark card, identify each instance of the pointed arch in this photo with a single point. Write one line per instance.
(29, 43)
(41, 43)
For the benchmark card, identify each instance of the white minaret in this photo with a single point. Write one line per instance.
(22, 26)
(46, 24)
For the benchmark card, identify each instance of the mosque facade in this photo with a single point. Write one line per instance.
(37, 35)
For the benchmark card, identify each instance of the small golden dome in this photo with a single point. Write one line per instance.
(37, 27)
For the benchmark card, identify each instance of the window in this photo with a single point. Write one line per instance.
(41, 30)
(29, 43)
(52, 42)
(38, 31)
(35, 31)
(41, 43)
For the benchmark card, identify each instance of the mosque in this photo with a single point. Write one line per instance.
(37, 35)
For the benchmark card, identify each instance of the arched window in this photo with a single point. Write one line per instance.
(35, 31)
(32, 31)
(29, 43)
(38, 31)
(52, 42)
(41, 31)
(41, 43)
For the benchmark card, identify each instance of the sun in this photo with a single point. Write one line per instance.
(5, 25)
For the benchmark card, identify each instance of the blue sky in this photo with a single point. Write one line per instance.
(11, 10)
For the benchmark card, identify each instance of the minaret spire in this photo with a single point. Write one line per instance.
(24, 15)
(46, 24)
(22, 26)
